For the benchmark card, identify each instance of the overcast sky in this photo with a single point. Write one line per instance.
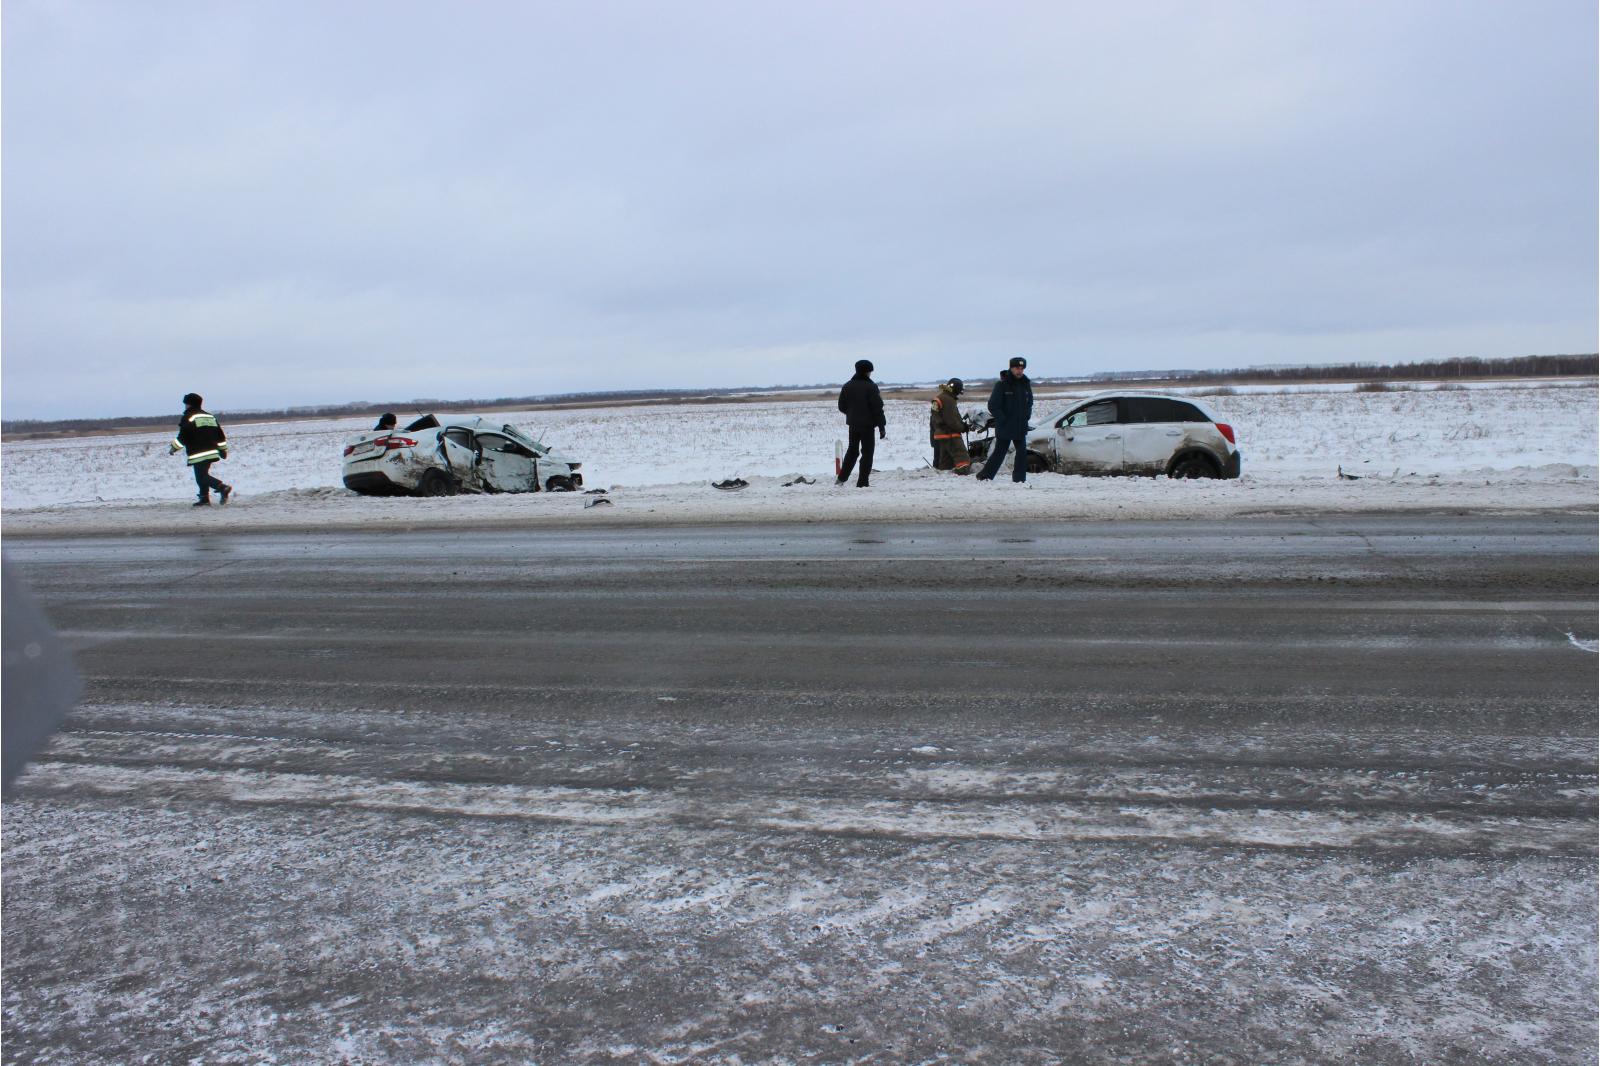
(286, 203)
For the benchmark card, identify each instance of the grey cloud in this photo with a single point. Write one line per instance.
(702, 192)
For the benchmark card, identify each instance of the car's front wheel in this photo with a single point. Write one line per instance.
(1194, 466)
(559, 483)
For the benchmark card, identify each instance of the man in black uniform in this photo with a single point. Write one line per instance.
(1011, 403)
(200, 436)
(862, 407)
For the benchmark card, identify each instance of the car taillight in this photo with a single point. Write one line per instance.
(1227, 431)
(386, 443)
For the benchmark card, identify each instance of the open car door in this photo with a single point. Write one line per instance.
(506, 465)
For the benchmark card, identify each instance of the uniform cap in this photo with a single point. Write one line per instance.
(1017, 360)
(863, 366)
(192, 399)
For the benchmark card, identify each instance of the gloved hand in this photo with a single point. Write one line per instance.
(882, 435)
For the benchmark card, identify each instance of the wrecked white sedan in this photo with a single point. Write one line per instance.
(441, 457)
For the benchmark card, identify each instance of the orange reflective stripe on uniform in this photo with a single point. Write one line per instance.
(946, 436)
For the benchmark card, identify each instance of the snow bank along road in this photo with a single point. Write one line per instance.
(1280, 790)
(1503, 447)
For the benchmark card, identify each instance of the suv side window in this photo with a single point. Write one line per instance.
(1161, 409)
(1101, 413)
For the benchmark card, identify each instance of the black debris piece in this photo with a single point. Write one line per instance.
(800, 481)
(730, 483)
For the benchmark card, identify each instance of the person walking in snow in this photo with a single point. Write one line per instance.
(200, 436)
(944, 429)
(862, 407)
(1011, 403)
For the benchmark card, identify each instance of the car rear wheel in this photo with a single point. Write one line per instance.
(435, 483)
(558, 484)
(1193, 466)
(1036, 463)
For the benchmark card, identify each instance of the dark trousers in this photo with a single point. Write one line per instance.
(997, 456)
(862, 441)
(204, 480)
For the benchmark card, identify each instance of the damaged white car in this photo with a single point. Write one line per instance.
(441, 457)
(1127, 433)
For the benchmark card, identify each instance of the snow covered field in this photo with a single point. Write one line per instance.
(1516, 445)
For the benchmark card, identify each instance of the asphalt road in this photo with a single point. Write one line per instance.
(1289, 790)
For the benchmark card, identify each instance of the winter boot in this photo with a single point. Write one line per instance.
(225, 492)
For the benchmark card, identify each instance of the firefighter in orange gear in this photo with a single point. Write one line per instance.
(944, 427)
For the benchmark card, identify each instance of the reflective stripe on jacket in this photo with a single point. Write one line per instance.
(201, 436)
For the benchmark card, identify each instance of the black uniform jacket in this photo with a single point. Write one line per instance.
(860, 403)
(1011, 403)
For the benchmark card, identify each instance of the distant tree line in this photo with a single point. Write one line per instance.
(1519, 366)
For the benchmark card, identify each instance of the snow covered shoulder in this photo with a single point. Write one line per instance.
(1522, 447)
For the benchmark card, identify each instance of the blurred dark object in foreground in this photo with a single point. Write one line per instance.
(38, 684)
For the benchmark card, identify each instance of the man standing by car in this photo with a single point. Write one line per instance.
(200, 436)
(1011, 403)
(944, 427)
(862, 407)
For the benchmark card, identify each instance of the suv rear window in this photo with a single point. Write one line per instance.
(1159, 409)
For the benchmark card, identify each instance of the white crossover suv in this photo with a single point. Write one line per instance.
(1131, 433)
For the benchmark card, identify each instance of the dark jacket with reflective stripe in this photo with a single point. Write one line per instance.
(1011, 403)
(861, 403)
(200, 435)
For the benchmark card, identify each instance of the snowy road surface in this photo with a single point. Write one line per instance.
(1285, 789)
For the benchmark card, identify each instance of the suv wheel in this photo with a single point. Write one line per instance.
(1193, 466)
(558, 484)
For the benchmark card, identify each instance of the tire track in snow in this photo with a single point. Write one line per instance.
(1412, 832)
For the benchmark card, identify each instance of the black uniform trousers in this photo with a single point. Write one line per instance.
(862, 441)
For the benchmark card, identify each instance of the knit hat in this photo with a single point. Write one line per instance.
(192, 399)
(863, 366)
